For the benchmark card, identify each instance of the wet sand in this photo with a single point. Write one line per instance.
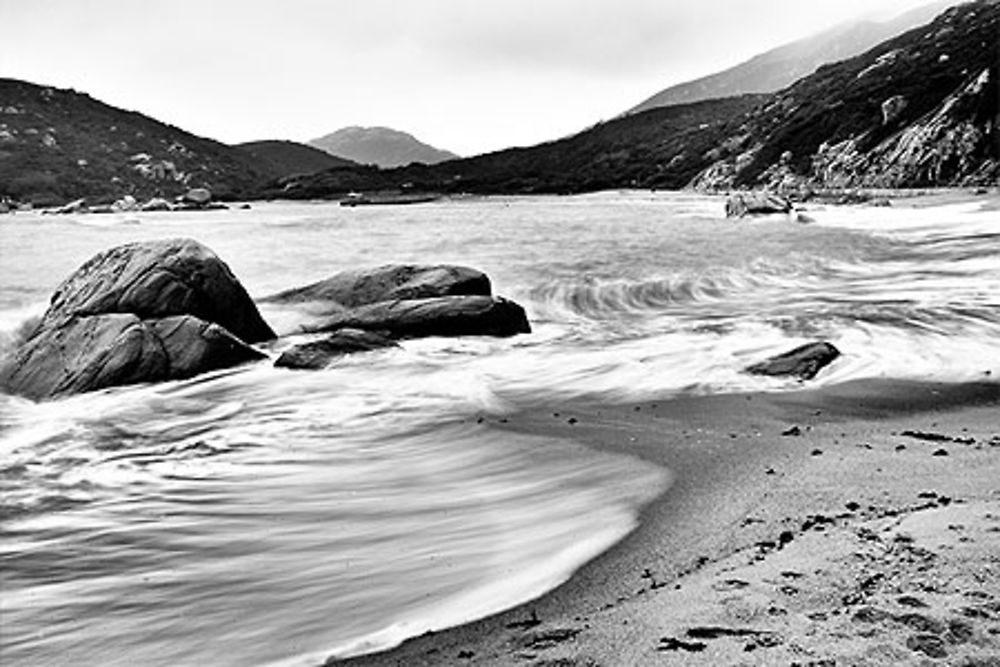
(858, 524)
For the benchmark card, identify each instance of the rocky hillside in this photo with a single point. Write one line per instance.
(380, 146)
(286, 158)
(918, 110)
(57, 145)
(780, 67)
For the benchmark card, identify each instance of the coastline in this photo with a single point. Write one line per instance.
(870, 536)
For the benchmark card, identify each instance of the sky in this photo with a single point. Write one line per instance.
(470, 76)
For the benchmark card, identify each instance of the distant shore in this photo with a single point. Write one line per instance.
(859, 522)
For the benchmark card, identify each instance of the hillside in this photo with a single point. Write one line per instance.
(780, 67)
(658, 148)
(286, 158)
(380, 146)
(57, 145)
(918, 110)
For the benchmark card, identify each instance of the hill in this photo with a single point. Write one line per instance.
(286, 158)
(917, 110)
(780, 67)
(380, 146)
(57, 145)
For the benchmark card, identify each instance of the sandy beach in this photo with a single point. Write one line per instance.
(854, 525)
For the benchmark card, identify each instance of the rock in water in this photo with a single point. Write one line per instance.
(318, 354)
(742, 204)
(93, 352)
(156, 279)
(197, 196)
(143, 312)
(443, 316)
(803, 362)
(351, 289)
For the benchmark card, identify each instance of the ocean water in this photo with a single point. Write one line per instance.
(266, 516)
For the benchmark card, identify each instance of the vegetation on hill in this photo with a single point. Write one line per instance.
(287, 158)
(57, 145)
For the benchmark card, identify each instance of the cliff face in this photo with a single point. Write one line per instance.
(918, 110)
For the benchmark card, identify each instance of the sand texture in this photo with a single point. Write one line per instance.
(858, 525)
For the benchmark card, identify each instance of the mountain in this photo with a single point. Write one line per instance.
(286, 158)
(57, 145)
(918, 110)
(380, 146)
(780, 67)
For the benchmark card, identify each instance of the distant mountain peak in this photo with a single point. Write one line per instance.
(381, 146)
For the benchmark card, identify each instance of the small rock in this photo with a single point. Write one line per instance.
(803, 362)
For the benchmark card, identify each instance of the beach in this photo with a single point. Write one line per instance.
(612, 488)
(858, 524)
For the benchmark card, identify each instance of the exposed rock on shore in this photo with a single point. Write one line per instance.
(351, 289)
(442, 316)
(156, 279)
(742, 204)
(803, 362)
(406, 301)
(141, 312)
(86, 353)
(318, 354)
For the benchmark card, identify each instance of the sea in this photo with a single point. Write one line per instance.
(263, 516)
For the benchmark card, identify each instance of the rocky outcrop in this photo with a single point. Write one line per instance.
(351, 289)
(157, 279)
(442, 316)
(141, 312)
(742, 204)
(87, 353)
(916, 111)
(803, 362)
(318, 354)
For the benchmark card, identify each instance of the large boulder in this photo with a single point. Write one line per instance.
(157, 279)
(741, 204)
(803, 362)
(319, 353)
(351, 289)
(142, 312)
(441, 316)
(86, 353)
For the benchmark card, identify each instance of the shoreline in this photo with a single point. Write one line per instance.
(766, 485)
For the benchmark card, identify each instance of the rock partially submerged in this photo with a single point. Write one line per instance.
(141, 312)
(442, 316)
(88, 353)
(803, 362)
(405, 301)
(351, 289)
(318, 354)
(742, 204)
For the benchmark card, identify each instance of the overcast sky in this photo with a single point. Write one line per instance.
(466, 75)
